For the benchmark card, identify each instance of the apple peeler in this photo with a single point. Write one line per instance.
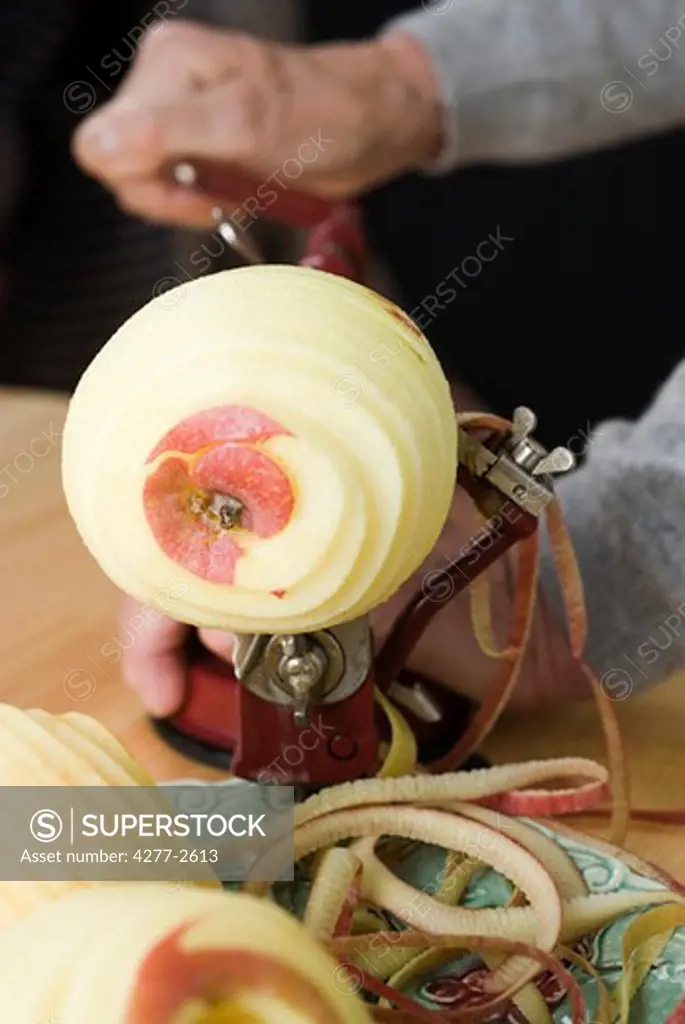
(301, 709)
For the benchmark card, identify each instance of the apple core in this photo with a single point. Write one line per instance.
(211, 484)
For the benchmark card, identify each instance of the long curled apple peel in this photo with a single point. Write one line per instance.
(511, 657)
(583, 915)
(484, 785)
(656, 924)
(473, 1006)
(456, 833)
(447, 811)
(528, 1000)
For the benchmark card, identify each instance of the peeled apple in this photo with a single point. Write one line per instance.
(275, 453)
(41, 749)
(138, 956)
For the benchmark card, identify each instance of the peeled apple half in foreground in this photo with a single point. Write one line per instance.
(139, 956)
(276, 452)
(41, 749)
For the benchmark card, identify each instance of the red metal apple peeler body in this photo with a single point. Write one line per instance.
(301, 709)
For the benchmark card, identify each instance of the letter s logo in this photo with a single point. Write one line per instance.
(46, 826)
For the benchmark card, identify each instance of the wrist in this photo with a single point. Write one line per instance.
(417, 116)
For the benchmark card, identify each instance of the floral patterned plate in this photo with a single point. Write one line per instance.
(605, 870)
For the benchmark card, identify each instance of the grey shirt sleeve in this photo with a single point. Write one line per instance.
(625, 510)
(536, 80)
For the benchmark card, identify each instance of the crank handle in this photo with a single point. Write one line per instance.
(225, 185)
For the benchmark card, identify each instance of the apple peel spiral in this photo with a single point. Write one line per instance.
(277, 453)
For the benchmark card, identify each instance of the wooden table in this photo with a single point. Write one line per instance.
(58, 615)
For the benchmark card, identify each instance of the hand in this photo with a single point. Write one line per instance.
(153, 662)
(349, 115)
(153, 665)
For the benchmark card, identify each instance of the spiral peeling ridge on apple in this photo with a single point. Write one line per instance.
(130, 954)
(40, 749)
(215, 447)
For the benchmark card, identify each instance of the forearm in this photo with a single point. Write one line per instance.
(625, 510)
(534, 80)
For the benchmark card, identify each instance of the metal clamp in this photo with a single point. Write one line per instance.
(304, 670)
(516, 464)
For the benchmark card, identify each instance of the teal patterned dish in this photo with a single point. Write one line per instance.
(603, 872)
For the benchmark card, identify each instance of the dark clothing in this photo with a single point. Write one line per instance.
(589, 265)
(75, 267)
